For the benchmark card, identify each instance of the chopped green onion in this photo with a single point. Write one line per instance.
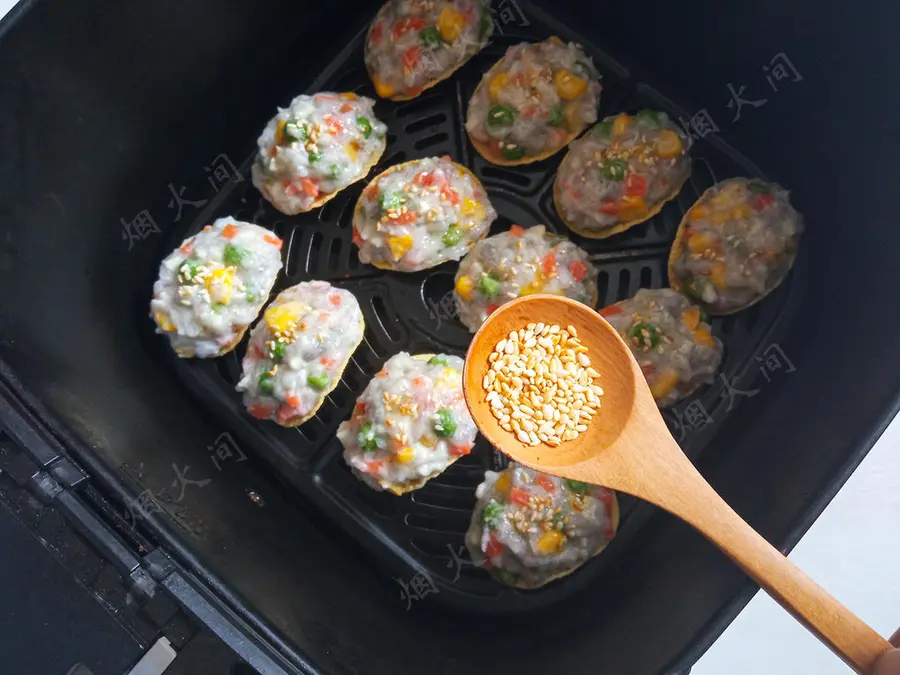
(266, 383)
(391, 200)
(555, 117)
(505, 577)
(489, 285)
(759, 187)
(218, 307)
(437, 361)
(190, 267)
(278, 350)
(577, 486)
(318, 382)
(368, 441)
(491, 514)
(695, 287)
(653, 117)
(334, 172)
(452, 236)
(443, 424)
(614, 169)
(314, 156)
(430, 37)
(233, 255)
(501, 116)
(646, 335)
(485, 24)
(365, 126)
(294, 131)
(250, 297)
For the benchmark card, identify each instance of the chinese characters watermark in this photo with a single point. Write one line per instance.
(224, 448)
(508, 13)
(443, 310)
(418, 588)
(138, 228)
(221, 171)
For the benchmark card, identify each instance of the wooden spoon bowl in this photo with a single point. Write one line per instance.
(628, 447)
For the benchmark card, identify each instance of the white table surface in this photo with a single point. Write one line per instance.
(852, 550)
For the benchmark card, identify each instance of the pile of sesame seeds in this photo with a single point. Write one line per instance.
(540, 384)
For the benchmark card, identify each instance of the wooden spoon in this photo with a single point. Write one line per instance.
(628, 447)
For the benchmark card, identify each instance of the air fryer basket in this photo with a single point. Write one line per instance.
(422, 532)
(109, 110)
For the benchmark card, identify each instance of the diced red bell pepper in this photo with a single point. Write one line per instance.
(186, 248)
(377, 33)
(403, 26)
(460, 450)
(359, 408)
(492, 308)
(335, 299)
(578, 270)
(411, 58)
(424, 178)
(763, 201)
(309, 187)
(635, 185)
(517, 230)
(493, 548)
(293, 401)
(450, 195)
(548, 264)
(375, 466)
(404, 218)
(545, 482)
(518, 496)
(612, 310)
(284, 414)
(357, 237)
(609, 206)
(327, 363)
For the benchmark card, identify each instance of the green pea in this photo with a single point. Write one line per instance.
(278, 350)
(513, 152)
(577, 486)
(314, 156)
(501, 116)
(614, 169)
(391, 200)
(443, 423)
(318, 382)
(364, 126)
(555, 117)
(430, 37)
(437, 361)
(250, 296)
(653, 117)
(295, 131)
(233, 255)
(490, 517)
(367, 438)
(603, 129)
(190, 267)
(266, 383)
(485, 24)
(334, 172)
(646, 335)
(759, 187)
(489, 285)
(452, 236)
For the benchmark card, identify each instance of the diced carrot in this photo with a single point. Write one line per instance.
(381, 373)
(370, 190)
(327, 363)
(612, 310)
(357, 237)
(260, 411)
(333, 124)
(517, 230)
(375, 466)
(418, 381)
(335, 299)
(518, 496)
(424, 178)
(207, 228)
(323, 316)
(545, 482)
(460, 450)
(548, 264)
(290, 189)
(609, 206)
(404, 218)
(492, 308)
(230, 231)
(271, 239)
(450, 195)
(293, 401)
(309, 187)
(493, 548)
(284, 414)
(377, 32)
(359, 408)
(186, 248)
(346, 108)
(411, 58)
(578, 270)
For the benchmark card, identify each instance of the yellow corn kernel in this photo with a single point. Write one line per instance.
(164, 322)
(728, 195)
(503, 483)
(664, 383)
(620, 125)
(742, 211)
(352, 150)
(399, 245)
(531, 288)
(668, 144)
(702, 336)
(349, 96)
(428, 441)
(282, 318)
(632, 208)
(279, 131)
(220, 284)
(464, 287)
(572, 116)
(474, 209)
(383, 89)
(449, 372)
(498, 82)
(720, 217)
(550, 542)
(702, 242)
(699, 212)
(691, 317)
(450, 24)
(569, 86)
(555, 39)
(405, 455)
(717, 274)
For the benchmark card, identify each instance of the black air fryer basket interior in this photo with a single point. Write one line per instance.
(111, 116)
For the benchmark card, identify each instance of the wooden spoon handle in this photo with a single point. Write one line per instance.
(835, 625)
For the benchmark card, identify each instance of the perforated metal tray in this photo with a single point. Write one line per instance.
(423, 532)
